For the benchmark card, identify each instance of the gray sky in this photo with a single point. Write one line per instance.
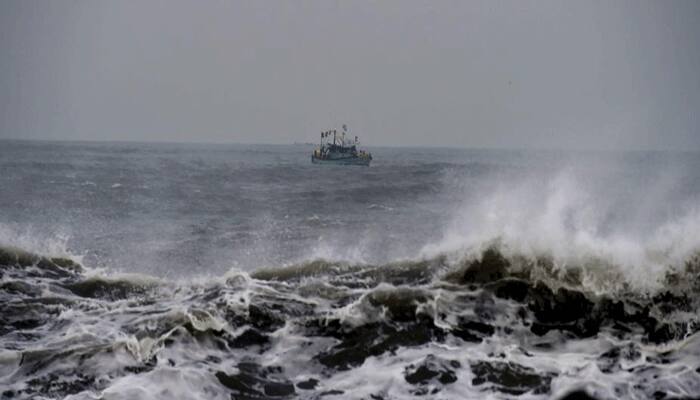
(594, 74)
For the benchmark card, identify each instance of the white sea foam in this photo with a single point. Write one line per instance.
(53, 243)
(562, 216)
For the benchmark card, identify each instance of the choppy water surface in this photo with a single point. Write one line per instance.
(244, 272)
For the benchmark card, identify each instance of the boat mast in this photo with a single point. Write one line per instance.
(345, 129)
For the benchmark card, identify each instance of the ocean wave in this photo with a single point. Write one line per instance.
(492, 325)
(575, 219)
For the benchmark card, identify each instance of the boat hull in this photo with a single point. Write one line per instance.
(341, 161)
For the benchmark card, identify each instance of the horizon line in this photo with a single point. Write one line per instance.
(298, 143)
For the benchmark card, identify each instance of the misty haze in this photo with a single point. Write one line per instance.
(349, 200)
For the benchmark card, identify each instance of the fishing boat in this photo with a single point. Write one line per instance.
(340, 151)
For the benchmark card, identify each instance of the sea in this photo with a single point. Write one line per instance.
(231, 271)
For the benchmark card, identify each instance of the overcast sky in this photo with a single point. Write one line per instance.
(562, 74)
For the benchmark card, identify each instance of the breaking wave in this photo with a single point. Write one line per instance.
(577, 220)
(491, 324)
